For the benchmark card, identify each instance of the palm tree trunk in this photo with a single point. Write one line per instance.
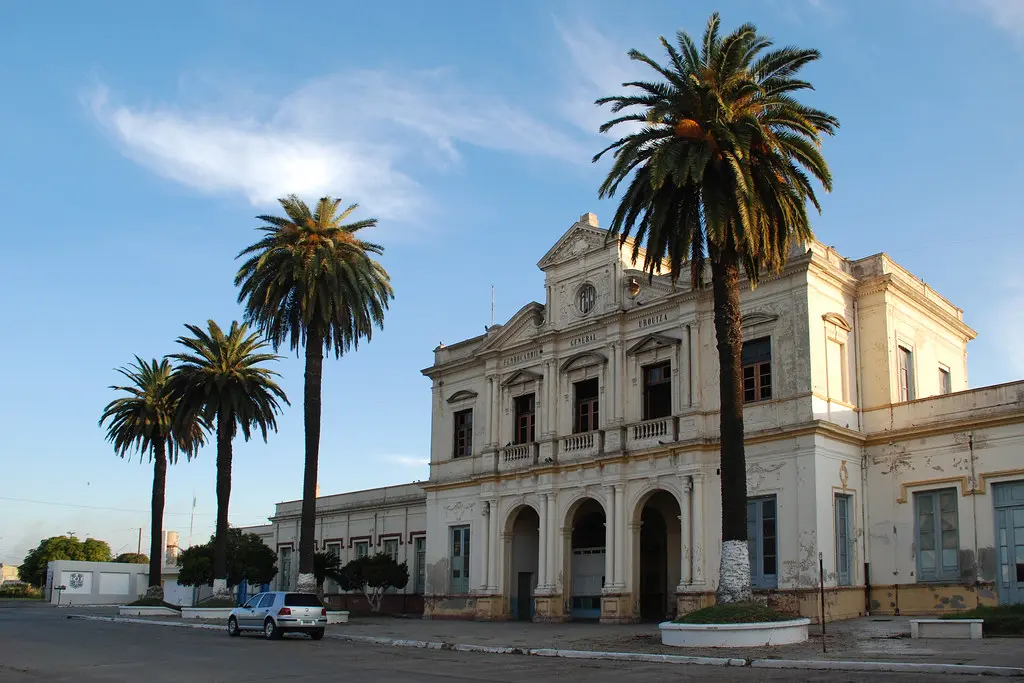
(220, 543)
(734, 577)
(311, 418)
(156, 531)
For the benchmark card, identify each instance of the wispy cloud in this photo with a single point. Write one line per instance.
(1007, 15)
(364, 134)
(407, 461)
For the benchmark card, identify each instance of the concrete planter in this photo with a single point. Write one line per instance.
(337, 617)
(206, 613)
(130, 611)
(966, 629)
(734, 635)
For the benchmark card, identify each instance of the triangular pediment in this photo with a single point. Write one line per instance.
(651, 342)
(522, 327)
(582, 238)
(521, 377)
(463, 395)
(584, 359)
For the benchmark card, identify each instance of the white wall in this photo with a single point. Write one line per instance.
(95, 583)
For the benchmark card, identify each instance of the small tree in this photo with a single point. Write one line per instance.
(373, 576)
(248, 559)
(132, 558)
(33, 568)
(324, 564)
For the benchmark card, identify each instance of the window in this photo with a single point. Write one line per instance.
(762, 542)
(657, 391)
(844, 540)
(267, 600)
(585, 413)
(938, 538)
(836, 360)
(332, 585)
(586, 298)
(284, 581)
(526, 410)
(945, 381)
(252, 602)
(905, 358)
(302, 600)
(463, 433)
(391, 548)
(419, 545)
(460, 560)
(362, 548)
(757, 370)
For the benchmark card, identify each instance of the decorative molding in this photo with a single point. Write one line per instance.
(582, 360)
(416, 534)
(522, 377)
(357, 539)
(578, 240)
(652, 341)
(462, 395)
(985, 476)
(392, 534)
(758, 318)
(965, 489)
(837, 320)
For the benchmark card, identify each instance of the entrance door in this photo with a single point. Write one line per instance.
(1009, 502)
(524, 599)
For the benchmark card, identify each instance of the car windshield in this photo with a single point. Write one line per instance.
(302, 600)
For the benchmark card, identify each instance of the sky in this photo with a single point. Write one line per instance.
(139, 141)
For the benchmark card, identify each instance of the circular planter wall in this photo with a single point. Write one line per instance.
(734, 635)
(147, 611)
(337, 617)
(206, 612)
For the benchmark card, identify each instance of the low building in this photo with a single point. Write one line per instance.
(9, 574)
(578, 445)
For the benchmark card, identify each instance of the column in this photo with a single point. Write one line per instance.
(620, 526)
(495, 411)
(685, 537)
(553, 528)
(492, 577)
(486, 559)
(615, 387)
(697, 553)
(542, 546)
(682, 393)
(609, 557)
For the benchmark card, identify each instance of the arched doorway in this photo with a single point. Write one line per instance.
(587, 559)
(659, 556)
(521, 572)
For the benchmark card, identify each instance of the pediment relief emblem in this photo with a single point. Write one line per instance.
(521, 377)
(651, 342)
(583, 360)
(575, 243)
(462, 395)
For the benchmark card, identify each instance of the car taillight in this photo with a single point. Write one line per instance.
(285, 611)
(323, 612)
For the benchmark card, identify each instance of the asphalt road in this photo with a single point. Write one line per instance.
(42, 644)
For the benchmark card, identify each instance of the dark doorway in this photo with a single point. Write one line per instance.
(653, 565)
(524, 607)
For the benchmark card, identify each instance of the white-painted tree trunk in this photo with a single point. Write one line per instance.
(734, 576)
(220, 588)
(306, 583)
(155, 593)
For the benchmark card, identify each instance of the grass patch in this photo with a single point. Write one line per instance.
(217, 602)
(153, 602)
(1004, 620)
(734, 613)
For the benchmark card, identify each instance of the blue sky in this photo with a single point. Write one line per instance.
(138, 140)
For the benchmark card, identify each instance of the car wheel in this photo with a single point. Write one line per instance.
(317, 634)
(270, 630)
(233, 627)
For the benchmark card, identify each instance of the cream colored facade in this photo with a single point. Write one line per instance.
(853, 448)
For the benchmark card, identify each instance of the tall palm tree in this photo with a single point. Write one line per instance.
(312, 282)
(221, 380)
(720, 155)
(142, 421)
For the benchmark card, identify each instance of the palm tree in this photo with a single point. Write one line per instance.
(143, 421)
(312, 282)
(720, 152)
(220, 379)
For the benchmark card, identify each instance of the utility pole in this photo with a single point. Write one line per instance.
(140, 541)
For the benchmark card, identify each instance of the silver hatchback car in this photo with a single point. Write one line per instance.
(278, 613)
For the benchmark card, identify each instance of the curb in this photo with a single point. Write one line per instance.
(793, 664)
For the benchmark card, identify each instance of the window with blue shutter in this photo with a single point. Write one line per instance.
(937, 535)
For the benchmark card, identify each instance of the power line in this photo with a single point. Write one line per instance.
(95, 507)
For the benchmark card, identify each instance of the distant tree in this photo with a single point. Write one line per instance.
(248, 559)
(324, 563)
(132, 558)
(33, 568)
(373, 576)
(143, 420)
(221, 380)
